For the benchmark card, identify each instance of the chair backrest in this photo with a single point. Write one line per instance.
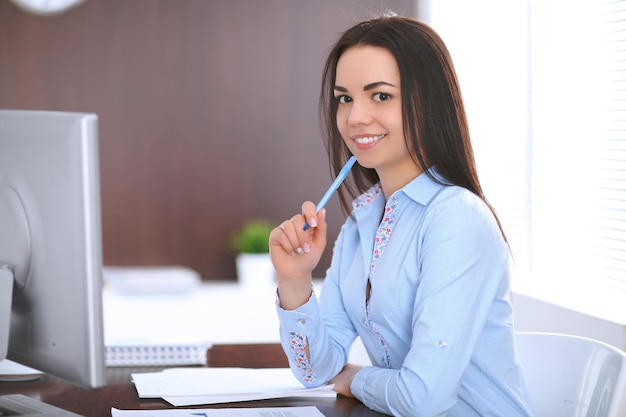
(572, 376)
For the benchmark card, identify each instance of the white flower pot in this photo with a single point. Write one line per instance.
(255, 271)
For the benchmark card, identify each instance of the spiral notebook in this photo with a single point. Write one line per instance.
(147, 354)
(151, 317)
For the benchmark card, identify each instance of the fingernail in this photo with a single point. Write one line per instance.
(306, 247)
(313, 222)
(299, 251)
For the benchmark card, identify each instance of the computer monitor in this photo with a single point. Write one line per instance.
(50, 245)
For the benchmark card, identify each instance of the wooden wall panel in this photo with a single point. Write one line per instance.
(207, 112)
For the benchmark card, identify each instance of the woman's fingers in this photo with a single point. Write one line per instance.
(309, 213)
(296, 252)
(293, 239)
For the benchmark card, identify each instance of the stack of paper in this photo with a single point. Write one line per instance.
(196, 386)
(307, 411)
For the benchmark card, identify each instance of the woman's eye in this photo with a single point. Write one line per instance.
(344, 99)
(381, 96)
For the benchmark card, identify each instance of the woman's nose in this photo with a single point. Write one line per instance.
(359, 114)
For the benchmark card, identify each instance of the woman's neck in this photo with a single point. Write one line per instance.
(394, 179)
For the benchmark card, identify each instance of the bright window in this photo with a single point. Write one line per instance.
(544, 83)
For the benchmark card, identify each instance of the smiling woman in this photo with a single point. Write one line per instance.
(421, 268)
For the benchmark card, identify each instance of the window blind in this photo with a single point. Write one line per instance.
(608, 227)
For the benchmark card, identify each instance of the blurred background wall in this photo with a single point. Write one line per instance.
(207, 112)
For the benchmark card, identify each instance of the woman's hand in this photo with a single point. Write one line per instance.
(296, 252)
(344, 378)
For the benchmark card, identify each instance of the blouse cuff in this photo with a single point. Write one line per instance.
(302, 318)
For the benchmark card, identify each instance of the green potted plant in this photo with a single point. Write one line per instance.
(253, 237)
(251, 246)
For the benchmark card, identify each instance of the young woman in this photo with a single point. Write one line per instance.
(420, 270)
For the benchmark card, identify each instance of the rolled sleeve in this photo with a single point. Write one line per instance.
(367, 385)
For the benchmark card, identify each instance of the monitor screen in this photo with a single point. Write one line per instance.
(50, 244)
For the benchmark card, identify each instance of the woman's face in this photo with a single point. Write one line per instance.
(369, 112)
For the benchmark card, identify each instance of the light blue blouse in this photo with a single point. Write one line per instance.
(438, 326)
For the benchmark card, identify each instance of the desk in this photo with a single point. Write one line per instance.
(121, 393)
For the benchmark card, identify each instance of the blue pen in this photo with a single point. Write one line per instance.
(334, 186)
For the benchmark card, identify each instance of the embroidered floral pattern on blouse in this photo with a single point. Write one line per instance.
(298, 345)
(382, 341)
(383, 235)
(367, 197)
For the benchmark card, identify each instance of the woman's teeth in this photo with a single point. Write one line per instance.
(369, 139)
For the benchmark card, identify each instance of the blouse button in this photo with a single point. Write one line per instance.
(443, 344)
(301, 322)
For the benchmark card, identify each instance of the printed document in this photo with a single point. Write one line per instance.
(197, 386)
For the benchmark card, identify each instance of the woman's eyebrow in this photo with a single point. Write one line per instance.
(376, 84)
(367, 87)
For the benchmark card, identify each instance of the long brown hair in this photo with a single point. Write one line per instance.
(434, 119)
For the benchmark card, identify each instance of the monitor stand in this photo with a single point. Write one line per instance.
(15, 257)
(9, 370)
(17, 404)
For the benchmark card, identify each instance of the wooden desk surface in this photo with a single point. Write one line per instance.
(121, 393)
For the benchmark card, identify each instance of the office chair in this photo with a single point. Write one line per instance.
(573, 376)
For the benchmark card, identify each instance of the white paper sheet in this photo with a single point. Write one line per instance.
(308, 411)
(196, 386)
